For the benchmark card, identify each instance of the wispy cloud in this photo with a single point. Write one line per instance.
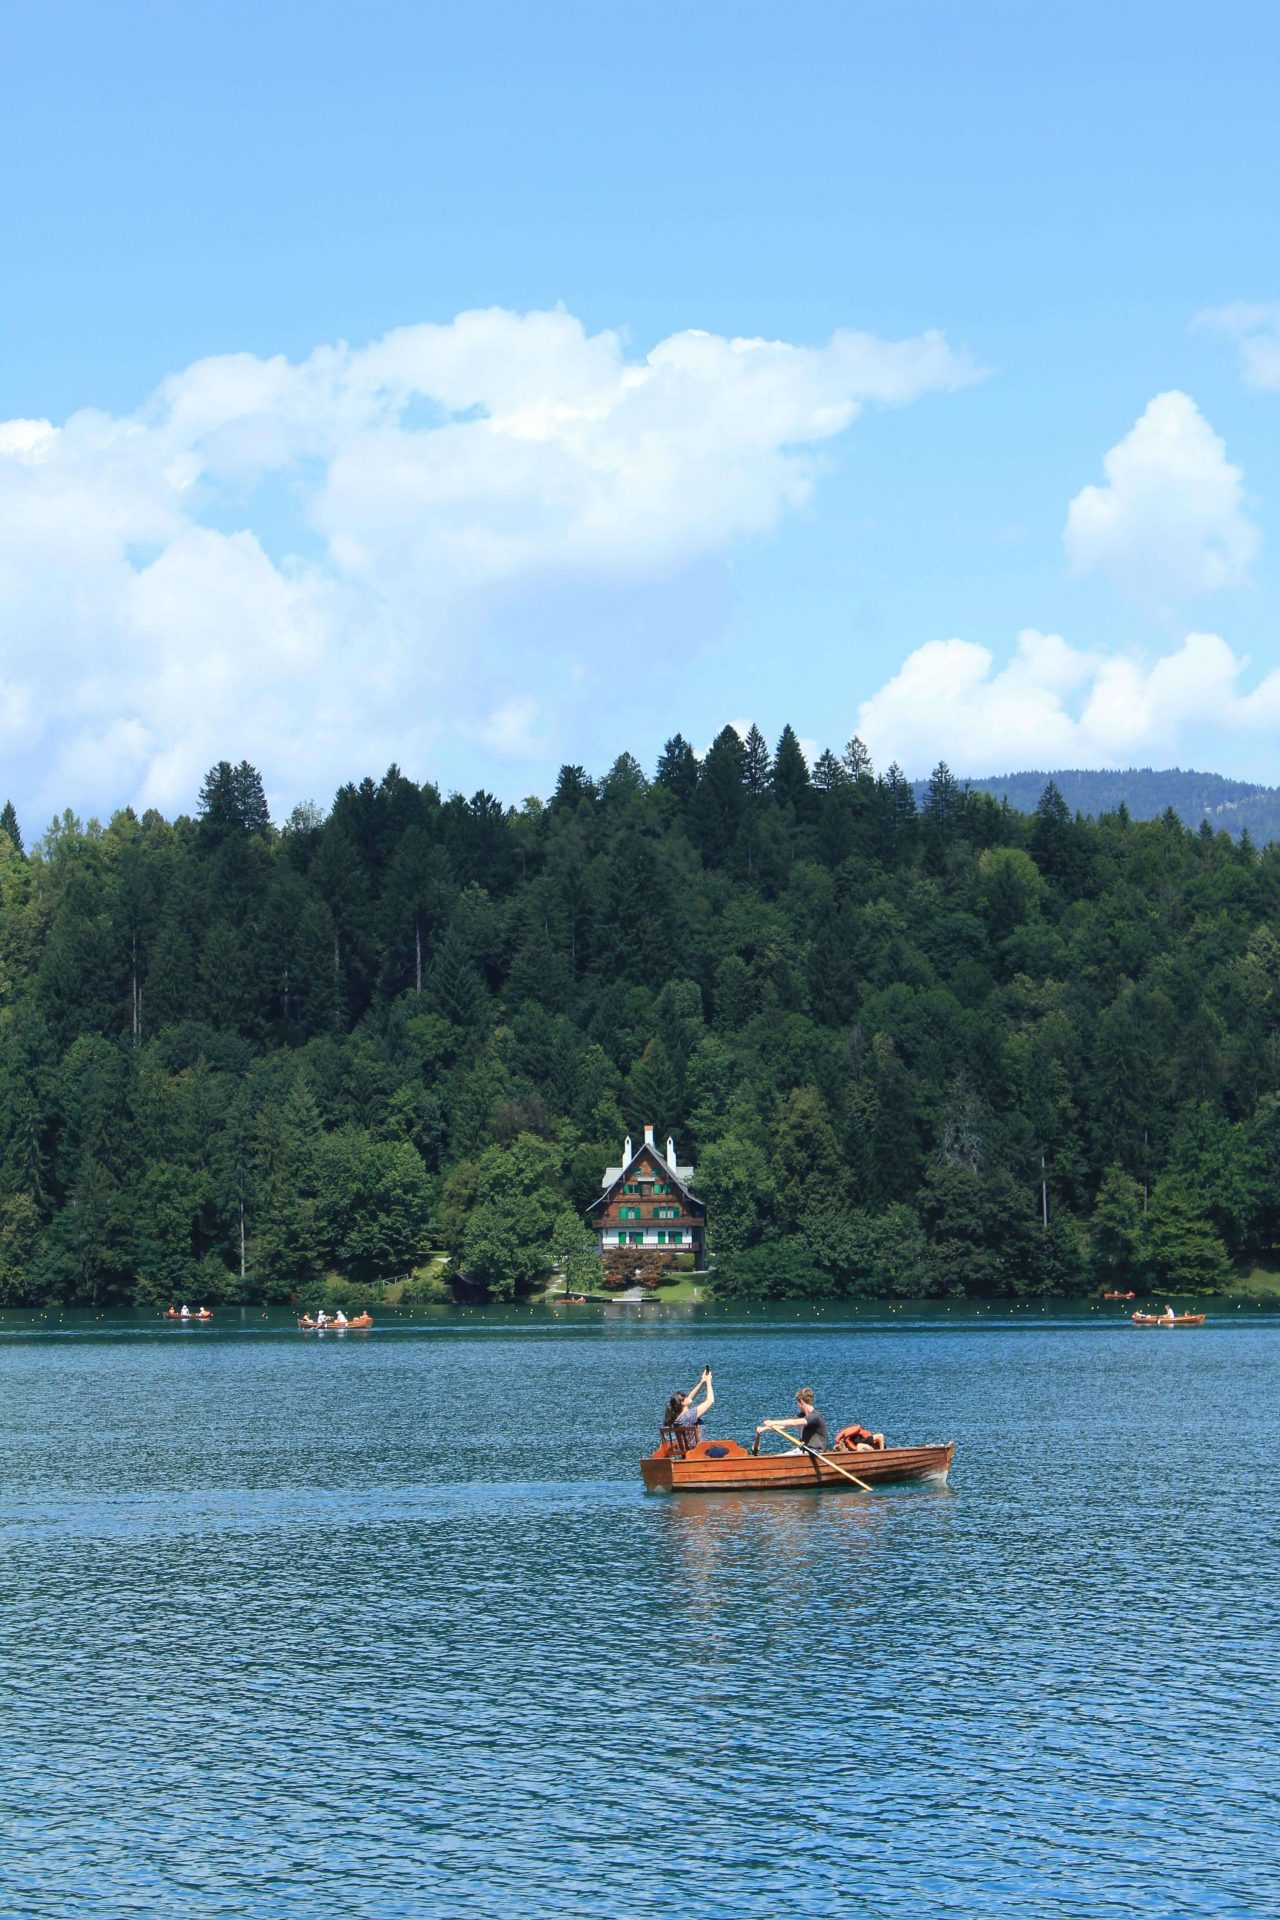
(1255, 329)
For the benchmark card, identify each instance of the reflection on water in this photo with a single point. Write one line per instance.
(387, 1627)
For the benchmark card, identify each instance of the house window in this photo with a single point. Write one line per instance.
(637, 1239)
(677, 1234)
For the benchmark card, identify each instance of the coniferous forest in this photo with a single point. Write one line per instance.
(912, 1049)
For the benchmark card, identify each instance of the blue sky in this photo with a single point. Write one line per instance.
(443, 549)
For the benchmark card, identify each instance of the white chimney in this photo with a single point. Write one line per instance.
(626, 1151)
(648, 1136)
(671, 1153)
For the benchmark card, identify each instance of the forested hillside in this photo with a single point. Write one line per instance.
(237, 1057)
(1241, 806)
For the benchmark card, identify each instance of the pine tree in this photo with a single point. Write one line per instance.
(720, 798)
(829, 773)
(653, 1091)
(573, 790)
(677, 771)
(233, 803)
(9, 825)
(454, 987)
(790, 779)
(757, 766)
(857, 761)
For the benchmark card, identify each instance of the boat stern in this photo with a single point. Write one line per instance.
(656, 1471)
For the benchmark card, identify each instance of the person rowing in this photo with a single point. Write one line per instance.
(1168, 1313)
(340, 1319)
(684, 1412)
(814, 1437)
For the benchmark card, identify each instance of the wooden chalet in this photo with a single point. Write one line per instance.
(647, 1212)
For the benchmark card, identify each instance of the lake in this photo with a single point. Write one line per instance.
(384, 1625)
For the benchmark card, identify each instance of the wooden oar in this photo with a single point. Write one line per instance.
(771, 1426)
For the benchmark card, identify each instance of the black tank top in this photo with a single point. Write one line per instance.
(815, 1433)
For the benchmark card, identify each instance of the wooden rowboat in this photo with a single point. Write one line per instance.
(722, 1466)
(1162, 1320)
(185, 1319)
(360, 1324)
(1119, 1296)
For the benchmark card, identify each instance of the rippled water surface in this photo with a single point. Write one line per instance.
(384, 1625)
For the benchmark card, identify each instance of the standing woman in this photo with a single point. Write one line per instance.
(813, 1428)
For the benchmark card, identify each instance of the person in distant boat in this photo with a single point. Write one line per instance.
(322, 1318)
(340, 1318)
(1168, 1313)
(186, 1312)
(813, 1428)
(685, 1412)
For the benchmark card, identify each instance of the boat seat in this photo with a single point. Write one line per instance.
(679, 1440)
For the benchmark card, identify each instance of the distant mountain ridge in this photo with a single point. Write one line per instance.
(1233, 805)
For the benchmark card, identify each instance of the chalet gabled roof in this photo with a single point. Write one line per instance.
(681, 1177)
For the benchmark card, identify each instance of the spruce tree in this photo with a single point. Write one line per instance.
(720, 799)
(677, 771)
(9, 825)
(757, 766)
(790, 780)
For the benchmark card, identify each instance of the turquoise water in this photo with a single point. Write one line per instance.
(384, 1625)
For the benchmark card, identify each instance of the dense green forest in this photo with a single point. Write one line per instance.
(238, 1058)
(1241, 806)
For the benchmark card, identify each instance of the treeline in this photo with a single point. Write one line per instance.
(1241, 806)
(237, 1058)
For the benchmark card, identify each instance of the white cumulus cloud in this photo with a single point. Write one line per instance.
(307, 564)
(1170, 523)
(1255, 328)
(1054, 705)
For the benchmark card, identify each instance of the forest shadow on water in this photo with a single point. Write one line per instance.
(386, 1626)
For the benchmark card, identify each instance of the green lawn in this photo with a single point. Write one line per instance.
(1258, 1283)
(685, 1290)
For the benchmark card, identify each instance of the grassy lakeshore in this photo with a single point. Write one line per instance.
(1257, 1284)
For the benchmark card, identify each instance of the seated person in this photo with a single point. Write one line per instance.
(339, 1318)
(684, 1413)
(814, 1437)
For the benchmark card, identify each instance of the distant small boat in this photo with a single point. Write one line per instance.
(722, 1466)
(1163, 1320)
(361, 1324)
(1120, 1296)
(205, 1313)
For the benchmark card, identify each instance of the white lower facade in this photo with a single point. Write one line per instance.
(646, 1237)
